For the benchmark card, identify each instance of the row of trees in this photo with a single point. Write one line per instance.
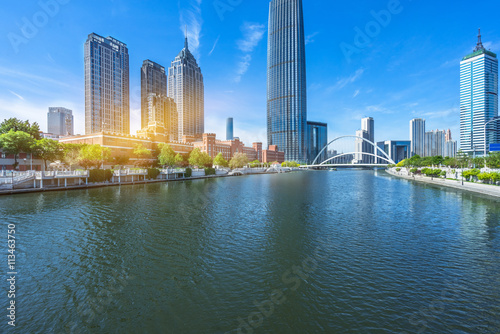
(461, 161)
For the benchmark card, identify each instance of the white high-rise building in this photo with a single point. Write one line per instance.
(478, 98)
(107, 93)
(60, 121)
(185, 86)
(368, 125)
(417, 137)
(435, 142)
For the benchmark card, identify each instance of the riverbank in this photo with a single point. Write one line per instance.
(477, 188)
(103, 185)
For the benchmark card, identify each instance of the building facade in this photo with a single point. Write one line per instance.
(185, 86)
(60, 121)
(368, 125)
(286, 79)
(229, 129)
(317, 139)
(211, 145)
(435, 143)
(153, 81)
(362, 147)
(417, 137)
(162, 117)
(397, 150)
(478, 98)
(273, 154)
(107, 87)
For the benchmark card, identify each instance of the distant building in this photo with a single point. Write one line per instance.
(397, 150)
(368, 125)
(435, 142)
(317, 139)
(228, 148)
(478, 98)
(185, 86)
(286, 80)
(361, 147)
(450, 149)
(229, 129)
(162, 117)
(273, 154)
(153, 81)
(23, 159)
(417, 137)
(60, 121)
(107, 92)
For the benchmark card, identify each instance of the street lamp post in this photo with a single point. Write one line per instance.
(494, 119)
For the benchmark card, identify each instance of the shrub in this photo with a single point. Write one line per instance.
(398, 169)
(100, 175)
(414, 170)
(153, 173)
(209, 171)
(188, 172)
(443, 173)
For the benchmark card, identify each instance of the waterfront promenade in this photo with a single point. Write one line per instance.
(478, 188)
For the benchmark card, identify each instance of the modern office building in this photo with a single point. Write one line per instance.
(153, 81)
(435, 143)
(478, 98)
(417, 137)
(397, 150)
(450, 149)
(362, 147)
(286, 79)
(229, 129)
(162, 117)
(317, 139)
(107, 92)
(368, 125)
(185, 86)
(60, 121)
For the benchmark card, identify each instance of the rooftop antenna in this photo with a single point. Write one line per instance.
(479, 45)
(186, 42)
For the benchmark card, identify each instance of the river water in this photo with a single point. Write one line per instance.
(308, 252)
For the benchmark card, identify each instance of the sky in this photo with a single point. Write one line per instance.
(388, 59)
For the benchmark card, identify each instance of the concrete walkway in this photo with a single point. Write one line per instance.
(478, 188)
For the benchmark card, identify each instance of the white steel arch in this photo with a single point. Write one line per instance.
(364, 139)
(344, 154)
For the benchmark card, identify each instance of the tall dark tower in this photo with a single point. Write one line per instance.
(286, 79)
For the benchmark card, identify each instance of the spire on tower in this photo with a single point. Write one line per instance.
(186, 41)
(479, 45)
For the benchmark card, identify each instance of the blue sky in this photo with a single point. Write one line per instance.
(407, 68)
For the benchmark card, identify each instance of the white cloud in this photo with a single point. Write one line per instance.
(252, 35)
(310, 38)
(341, 83)
(215, 44)
(243, 66)
(191, 17)
(19, 96)
(356, 93)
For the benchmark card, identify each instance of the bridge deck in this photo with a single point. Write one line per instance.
(344, 165)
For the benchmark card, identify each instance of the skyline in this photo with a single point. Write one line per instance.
(340, 92)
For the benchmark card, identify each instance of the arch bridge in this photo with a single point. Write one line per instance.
(331, 162)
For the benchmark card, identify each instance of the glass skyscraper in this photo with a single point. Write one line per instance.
(229, 129)
(60, 121)
(153, 81)
(286, 80)
(107, 96)
(417, 137)
(317, 139)
(185, 86)
(478, 98)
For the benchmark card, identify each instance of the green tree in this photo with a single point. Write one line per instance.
(121, 160)
(239, 160)
(220, 161)
(93, 156)
(167, 156)
(18, 125)
(15, 142)
(71, 154)
(143, 155)
(179, 160)
(200, 159)
(48, 150)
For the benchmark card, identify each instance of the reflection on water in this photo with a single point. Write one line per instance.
(347, 251)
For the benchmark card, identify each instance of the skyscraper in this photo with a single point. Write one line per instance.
(286, 79)
(362, 146)
(435, 143)
(163, 115)
(417, 137)
(185, 86)
(317, 139)
(153, 81)
(229, 129)
(478, 98)
(107, 101)
(60, 121)
(368, 125)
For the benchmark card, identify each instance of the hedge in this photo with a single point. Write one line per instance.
(100, 175)
(209, 171)
(153, 173)
(188, 172)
